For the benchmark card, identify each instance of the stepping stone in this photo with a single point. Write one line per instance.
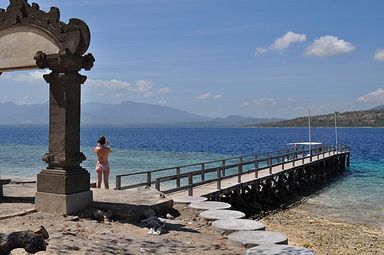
(188, 199)
(249, 239)
(211, 215)
(227, 226)
(210, 205)
(278, 250)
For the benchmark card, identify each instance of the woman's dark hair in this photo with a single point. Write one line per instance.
(101, 140)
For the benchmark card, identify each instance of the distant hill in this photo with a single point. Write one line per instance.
(367, 118)
(380, 107)
(132, 113)
(124, 114)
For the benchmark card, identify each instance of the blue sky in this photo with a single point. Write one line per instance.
(261, 58)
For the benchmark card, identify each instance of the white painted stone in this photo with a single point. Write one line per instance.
(249, 239)
(19, 45)
(188, 199)
(221, 215)
(210, 205)
(278, 250)
(227, 226)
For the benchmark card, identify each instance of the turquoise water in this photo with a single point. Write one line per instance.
(357, 196)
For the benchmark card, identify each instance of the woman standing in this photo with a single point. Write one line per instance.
(102, 151)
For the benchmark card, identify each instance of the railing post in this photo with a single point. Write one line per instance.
(149, 179)
(118, 182)
(202, 172)
(239, 172)
(178, 178)
(256, 167)
(157, 184)
(270, 164)
(190, 183)
(310, 155)
(218, 178)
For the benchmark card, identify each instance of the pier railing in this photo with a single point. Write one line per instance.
(191, 175)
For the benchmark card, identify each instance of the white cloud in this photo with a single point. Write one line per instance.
(163, 102)
(265, 101)
(244, 104)
(203, 96)
(376, 96)
(379, 55)
(115, 84)
(163, 91)
(208, 96)
(143, 86)
(260, 51)
(286, 40)
(25, 77)
(328, 45)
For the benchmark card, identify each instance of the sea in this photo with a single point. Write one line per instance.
(357, 196)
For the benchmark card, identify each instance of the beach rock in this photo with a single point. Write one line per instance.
(31, 241)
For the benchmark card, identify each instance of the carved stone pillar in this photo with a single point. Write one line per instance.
(64, 187)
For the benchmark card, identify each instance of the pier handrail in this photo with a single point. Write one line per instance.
(274, 155)
(221, 170)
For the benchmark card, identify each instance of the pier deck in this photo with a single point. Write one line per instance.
(247, 178)
(275, 174)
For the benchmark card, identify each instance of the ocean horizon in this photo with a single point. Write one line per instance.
(356, 196)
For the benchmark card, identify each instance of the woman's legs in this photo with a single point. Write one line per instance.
(106, 177)
(99, 177)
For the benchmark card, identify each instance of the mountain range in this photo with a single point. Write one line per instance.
(365, 118)
(127, 113)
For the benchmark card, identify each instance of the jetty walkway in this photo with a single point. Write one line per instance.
(270, 175)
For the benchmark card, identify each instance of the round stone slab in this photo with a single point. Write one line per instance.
(210, 205)
(188, 199)
(221, 215)
(278, 250)
(227, 226)
(253, 238)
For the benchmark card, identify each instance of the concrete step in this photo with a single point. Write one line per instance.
(278, 250)
(188, 199)
(227, 226)
(250, 239)
(211, 215)
(132, 204)
(210, 205)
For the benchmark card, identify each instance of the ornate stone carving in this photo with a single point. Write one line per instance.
(74, 36)
(65, 61)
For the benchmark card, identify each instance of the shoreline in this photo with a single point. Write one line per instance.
(326, 235)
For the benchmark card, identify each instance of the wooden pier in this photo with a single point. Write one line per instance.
(271, 176)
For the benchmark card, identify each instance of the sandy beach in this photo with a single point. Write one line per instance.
(187, 234)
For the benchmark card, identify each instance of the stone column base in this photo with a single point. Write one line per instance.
(62, 204)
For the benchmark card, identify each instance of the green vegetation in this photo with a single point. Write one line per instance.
(368, 118)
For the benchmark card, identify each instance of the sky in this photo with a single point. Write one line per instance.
(259, 58)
